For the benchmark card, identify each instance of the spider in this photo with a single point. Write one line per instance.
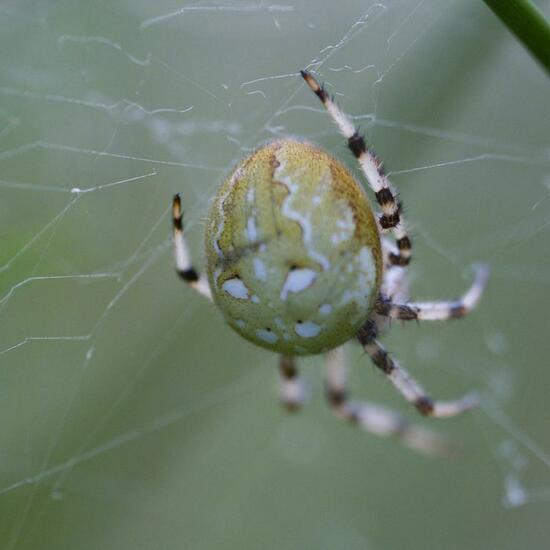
(299, 263)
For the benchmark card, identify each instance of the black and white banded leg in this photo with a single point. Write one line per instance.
(391, 217)
(403, 382)
(184, 268)
(394, 286)
(436, 311)
(373, 418)
(292, 389)
(395, 283)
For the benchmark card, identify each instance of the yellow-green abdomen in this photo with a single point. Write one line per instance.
(293, 251)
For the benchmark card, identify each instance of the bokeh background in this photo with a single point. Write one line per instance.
(131, 417)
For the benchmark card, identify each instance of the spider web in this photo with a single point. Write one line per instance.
(131, 416)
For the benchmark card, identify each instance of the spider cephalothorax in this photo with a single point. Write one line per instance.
(297, 262)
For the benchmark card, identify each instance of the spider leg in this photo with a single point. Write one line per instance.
(292, 389)
(395, 284)
(407, 386)
(184, 268)
(436, 311)
(392, 217)
(374, 418)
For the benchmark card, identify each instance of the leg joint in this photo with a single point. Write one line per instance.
(288, 368)
(381, 358)
(404, 312)
(356, 144)
(367, 333)
(189, 275)
(398, 259)
(424, 405)
(387, 221)
(177, 221)
(404, 243)
(457, 310)
(336, 396)
(385, 197)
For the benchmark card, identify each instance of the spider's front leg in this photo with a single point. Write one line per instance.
(184, 268)
(411, 390)
(374, 418)
(391, 218)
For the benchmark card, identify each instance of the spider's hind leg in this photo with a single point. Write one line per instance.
(375, 418)
(292, 392)
(405, 384)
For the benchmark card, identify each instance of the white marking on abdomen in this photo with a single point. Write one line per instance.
(298, 280)
(260, 269)
(297, 216)
(251, 230)
(236, 288)
(307, 329)
(267, 335)
(250, 194)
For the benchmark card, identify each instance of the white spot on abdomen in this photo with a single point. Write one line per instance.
(348, 296)
(251, 230)
(236, 288)
(250, 194)
(267, 335)
(260, 269)
(307, 329)
(325, 309)
(298, 280)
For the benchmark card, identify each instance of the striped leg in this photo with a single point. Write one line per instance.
(436, 311)
(405, 384)
(374, 418)
(395, 285)
(181, 253)
(391, 217)
(292, 389)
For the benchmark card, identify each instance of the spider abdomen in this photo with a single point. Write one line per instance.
(293, 251)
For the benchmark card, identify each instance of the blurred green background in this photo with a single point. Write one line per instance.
(131, 416)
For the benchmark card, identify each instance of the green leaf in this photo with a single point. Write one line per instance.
(528, 24)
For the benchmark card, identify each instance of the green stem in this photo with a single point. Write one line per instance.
(525, 20)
